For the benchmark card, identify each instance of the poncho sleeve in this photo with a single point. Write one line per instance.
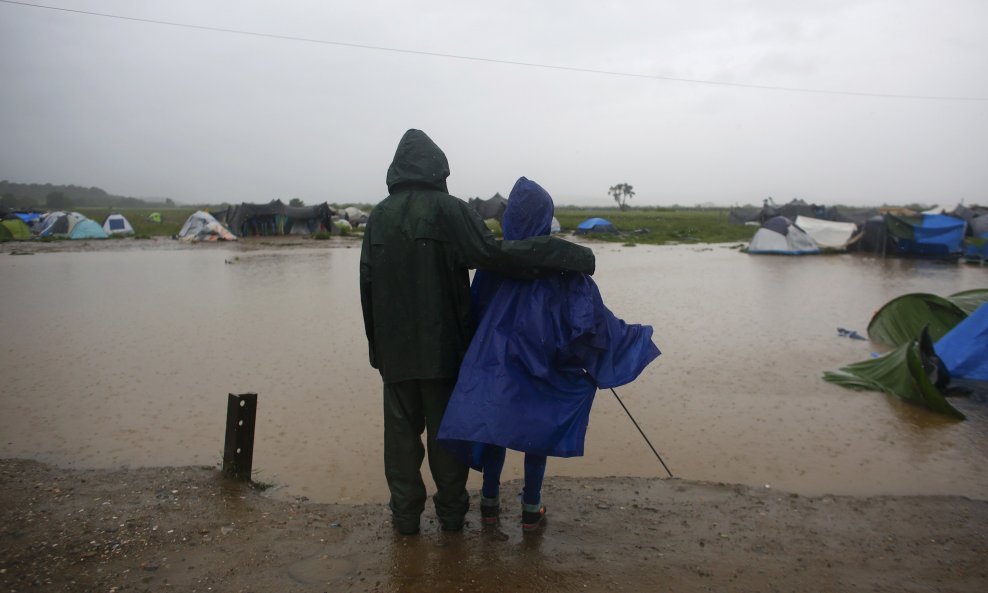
(610, 351)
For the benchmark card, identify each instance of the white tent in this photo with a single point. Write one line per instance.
(201, 226)
(555, 227)
(827, 234)
(59, 224)
(779, 236)
(116, 224)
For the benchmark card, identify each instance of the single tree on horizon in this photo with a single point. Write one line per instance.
(622, 192)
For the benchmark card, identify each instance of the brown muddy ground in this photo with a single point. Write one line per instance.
(186, 529)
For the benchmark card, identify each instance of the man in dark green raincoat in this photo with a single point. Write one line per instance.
(419, 245)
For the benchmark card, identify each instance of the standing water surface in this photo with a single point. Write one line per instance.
(124, 358)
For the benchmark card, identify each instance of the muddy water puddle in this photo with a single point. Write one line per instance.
(124, 358)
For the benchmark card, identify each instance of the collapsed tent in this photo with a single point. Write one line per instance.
(779, 236)
(932, 235)
(275, 218)
(117, 224)
(201, 226)
(595, 225)
(17, 230)
(492, 207)
(901, 319)
(964, 350)
(827, 234)
(911, 372)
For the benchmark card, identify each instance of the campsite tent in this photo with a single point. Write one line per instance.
(977, 249)
(67, 224)
(595, 225)
(355, 215)
(555, 227)
(902, 318)
(492, 207)
(58, 223)
(909, 372)
(932, 235)
(117, 224)
(275, 218)
(964, 350)
(87, 229)
(827, 234)
(779, 236)
(5, 234)
(201, 226)
(17, 229)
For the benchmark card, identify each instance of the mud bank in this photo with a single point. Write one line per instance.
(186, 529)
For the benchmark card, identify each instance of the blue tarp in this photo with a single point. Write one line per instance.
(594, 225)
(975, 252)
(541, 350)
(964, 349)
(937, 235)
(28, 217)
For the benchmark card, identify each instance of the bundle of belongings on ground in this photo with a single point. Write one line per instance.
(941, 349)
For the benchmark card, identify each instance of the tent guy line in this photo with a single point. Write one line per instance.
(503, 61)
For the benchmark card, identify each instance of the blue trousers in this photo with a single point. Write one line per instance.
(493, 461)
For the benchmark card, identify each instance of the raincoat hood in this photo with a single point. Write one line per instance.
(418, 161)
(529, 212)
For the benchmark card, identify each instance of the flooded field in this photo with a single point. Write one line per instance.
(123, 358)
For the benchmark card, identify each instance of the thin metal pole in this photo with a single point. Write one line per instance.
(642, 432)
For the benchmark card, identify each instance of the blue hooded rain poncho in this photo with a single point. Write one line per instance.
(541, 350)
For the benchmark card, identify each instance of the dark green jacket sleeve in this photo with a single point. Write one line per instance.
(366, 302)
(528, 258)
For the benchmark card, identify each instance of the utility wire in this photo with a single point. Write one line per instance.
(500, 61)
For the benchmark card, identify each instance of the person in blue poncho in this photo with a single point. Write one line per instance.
(541, 350)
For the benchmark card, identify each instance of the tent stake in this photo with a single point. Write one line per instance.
(642, 432)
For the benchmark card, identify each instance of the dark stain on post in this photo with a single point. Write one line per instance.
(238, 452)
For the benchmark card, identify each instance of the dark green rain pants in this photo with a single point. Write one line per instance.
(411, 407)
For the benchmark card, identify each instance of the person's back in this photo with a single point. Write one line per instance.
(541, 350)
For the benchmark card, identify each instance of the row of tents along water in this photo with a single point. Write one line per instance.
(271, 219)
(940, 350)
(798, 228)
(24, 226)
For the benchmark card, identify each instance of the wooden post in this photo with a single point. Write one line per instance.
(238, 452)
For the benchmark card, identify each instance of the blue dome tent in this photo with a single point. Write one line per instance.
(595, 225)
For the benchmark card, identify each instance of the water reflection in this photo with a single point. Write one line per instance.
(117, 359)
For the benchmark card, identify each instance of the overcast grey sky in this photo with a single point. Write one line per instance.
(152, 110)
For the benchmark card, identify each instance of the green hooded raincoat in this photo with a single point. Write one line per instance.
(419, 245)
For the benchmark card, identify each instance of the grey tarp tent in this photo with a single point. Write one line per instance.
(275, 218)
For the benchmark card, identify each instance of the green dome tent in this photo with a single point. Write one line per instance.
(901, 319)
(17, 229)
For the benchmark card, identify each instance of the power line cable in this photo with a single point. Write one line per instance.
(500, 61)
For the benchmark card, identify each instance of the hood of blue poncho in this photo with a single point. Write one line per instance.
(529, 212)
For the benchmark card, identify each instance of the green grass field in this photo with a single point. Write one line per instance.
(660, 226)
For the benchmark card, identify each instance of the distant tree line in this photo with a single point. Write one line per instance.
(63, 197)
